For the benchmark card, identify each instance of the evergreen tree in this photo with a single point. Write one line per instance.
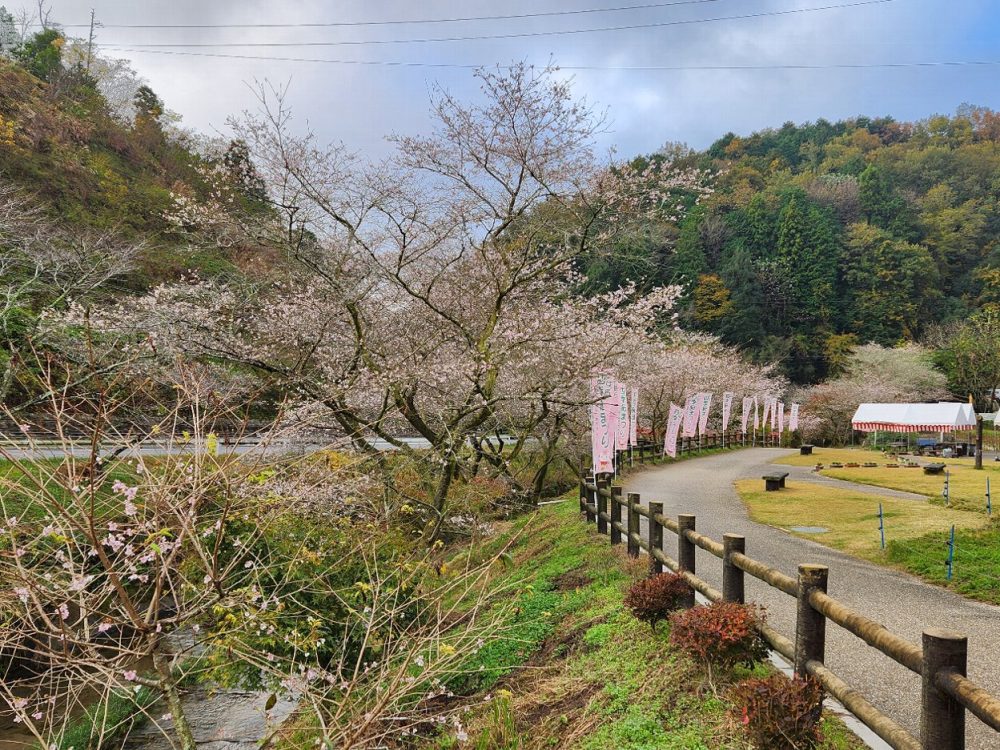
(892, 285)
(41, 55)
(882, 204)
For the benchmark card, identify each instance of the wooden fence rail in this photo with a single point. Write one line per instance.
(946, 692)
(646, 451)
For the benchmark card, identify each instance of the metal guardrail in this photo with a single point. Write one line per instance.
(946, 693)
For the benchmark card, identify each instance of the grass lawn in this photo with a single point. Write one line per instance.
(967, 486)
(598, 678)
(20, 484)
(916, 532)
(851, 517)
(577, 670)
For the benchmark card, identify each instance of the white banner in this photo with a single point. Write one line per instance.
(633, 422)
(774, 414)
(727, 408)
(781, 416)
(673, 427)
(747, 401)
(621, 431)
(756, 414)
(767, 412)
(793, 418)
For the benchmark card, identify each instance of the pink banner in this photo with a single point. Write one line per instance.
(793, 418)
(621, 426)
(774, 414)
(633, 422)
(727, 408)
(747, 401)
(603, 434)
(756, 414)
(673, 427)
(706, 404)
(781, 416)
(767, 412)
(691, 415)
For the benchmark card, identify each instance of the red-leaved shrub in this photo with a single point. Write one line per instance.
(779, 713)
(653, 599)
(722, 634)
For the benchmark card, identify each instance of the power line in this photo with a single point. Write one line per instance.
(521, 34)
(394, 22)
(609, 68)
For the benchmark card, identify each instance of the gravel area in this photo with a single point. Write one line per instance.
(903, 603)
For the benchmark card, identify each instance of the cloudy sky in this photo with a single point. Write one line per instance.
(685, 100)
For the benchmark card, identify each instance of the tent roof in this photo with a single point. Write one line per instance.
(944, 416)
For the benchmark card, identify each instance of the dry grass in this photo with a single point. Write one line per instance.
(967, 486)
(850, 516)
(826, 456)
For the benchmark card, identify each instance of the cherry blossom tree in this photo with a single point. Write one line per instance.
(44, 268)
(433, 293)
(124, 574)
(670, 370)
(873, 374)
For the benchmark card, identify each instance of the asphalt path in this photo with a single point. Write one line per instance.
(903, 603)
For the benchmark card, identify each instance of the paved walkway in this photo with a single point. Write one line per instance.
(903, 603)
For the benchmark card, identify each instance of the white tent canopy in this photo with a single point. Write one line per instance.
(940, 417)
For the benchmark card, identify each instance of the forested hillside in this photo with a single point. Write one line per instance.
(811, 240)
(106, 168)
(94, 176)
(826, 235)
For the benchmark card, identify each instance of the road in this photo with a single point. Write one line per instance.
(903, 603)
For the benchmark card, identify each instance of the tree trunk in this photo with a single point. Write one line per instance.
(168, 685)
(979, 442)
(440, 500)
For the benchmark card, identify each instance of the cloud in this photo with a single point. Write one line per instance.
(360, 104)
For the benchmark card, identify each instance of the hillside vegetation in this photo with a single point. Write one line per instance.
(824, 235)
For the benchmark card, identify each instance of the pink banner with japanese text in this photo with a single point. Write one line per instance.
(793, 418)
(673, 427)
(602, 435)
(691, 415)
(706, 405)
(727, 408)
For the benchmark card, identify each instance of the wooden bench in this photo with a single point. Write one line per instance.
(774, 482)
(805, 450)
(934, 468)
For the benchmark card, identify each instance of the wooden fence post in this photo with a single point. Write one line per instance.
(685, 550)
(655, 537)
(592, 499)
(642, 453)
(585, 479)
(616, 515)
(732, 577)
(810, 625)
(633, 524)
(601, 501)
(942, 718)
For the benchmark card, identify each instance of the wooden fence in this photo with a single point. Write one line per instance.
(946, 693)
(646, 451)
